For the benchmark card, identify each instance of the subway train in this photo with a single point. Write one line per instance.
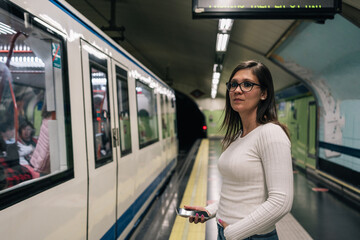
(88, 133)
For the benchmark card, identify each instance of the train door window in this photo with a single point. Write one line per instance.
(147, 114)
(35, 142)
(100, 110)
(124, 111)
(173, 117)
(164, 116)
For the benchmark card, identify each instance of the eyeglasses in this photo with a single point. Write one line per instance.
(244, 86)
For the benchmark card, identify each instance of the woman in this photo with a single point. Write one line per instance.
(256, 167)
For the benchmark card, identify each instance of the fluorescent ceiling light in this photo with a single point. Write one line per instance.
(215, 81)
(221, 42)
(213, 93)
(217, 68)
(6, 29)
(216, 75)
(98, 81)
(225, 25)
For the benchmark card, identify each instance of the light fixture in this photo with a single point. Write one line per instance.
(6, 29)
(216, 75)
(215, 81)
(217, 68)
(225, 24)
(221, 42)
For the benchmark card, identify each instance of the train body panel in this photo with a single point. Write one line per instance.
(116, 164)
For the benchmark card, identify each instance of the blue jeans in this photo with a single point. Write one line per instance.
(268, 236)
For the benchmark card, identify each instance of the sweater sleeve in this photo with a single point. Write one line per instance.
(212, 208)
(274, 151)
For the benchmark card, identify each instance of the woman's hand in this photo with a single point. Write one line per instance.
(224, 224)
(196, 219)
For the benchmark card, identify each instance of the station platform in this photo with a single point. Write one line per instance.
(197, 181)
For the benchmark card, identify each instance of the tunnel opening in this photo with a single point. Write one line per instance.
(190, 121)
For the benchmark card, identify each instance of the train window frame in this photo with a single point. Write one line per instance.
(148, 143)
(122, 76)
(21, 192)
(100, 65)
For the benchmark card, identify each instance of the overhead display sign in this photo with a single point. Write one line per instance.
(266, 9)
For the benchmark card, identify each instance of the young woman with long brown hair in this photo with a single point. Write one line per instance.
(256, 167)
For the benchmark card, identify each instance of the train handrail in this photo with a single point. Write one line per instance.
(16, 111)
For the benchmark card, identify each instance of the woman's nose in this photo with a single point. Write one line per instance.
(238, 89)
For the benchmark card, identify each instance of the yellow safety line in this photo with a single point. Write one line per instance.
(338, 181)
(195, 195)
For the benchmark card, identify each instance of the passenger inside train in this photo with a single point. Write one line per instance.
(40, 159)
(26, 142)
(30, 132)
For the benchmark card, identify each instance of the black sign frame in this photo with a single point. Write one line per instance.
(258, 12)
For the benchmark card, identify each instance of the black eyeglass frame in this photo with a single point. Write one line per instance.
(228, 86)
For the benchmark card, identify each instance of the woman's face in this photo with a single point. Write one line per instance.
(246, 102)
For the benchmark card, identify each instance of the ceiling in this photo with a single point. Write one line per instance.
(181, 50)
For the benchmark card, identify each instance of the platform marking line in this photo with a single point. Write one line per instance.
(195, 194)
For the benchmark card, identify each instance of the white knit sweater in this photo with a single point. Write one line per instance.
(257, 188)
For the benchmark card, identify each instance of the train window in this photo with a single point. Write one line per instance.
(34, 108)
(164, 117)
(147, 114)
(100, 110)
(124, 111)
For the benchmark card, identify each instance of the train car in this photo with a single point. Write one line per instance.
(88, 133)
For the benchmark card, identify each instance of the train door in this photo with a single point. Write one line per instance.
(124, 146)
(101, 158)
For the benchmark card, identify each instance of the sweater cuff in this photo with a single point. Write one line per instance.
(212, 209)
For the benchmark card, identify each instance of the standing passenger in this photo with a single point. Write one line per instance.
(41, 156)
(256, 167)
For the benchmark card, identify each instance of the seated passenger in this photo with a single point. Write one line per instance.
(7, 136)
(7, 132)
(26, 144)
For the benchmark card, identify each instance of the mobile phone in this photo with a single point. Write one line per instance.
(191, 213)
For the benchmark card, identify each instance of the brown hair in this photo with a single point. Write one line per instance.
(266, 111)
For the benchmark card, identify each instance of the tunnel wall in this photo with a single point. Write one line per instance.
(327, 59)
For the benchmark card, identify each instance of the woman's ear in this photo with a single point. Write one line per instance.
(263, 95)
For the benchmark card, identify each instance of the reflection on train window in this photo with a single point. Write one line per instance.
(124, 112)
(147, 114)
(33, 143)
(100, 111)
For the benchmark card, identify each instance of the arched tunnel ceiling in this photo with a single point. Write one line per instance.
(180, 50)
